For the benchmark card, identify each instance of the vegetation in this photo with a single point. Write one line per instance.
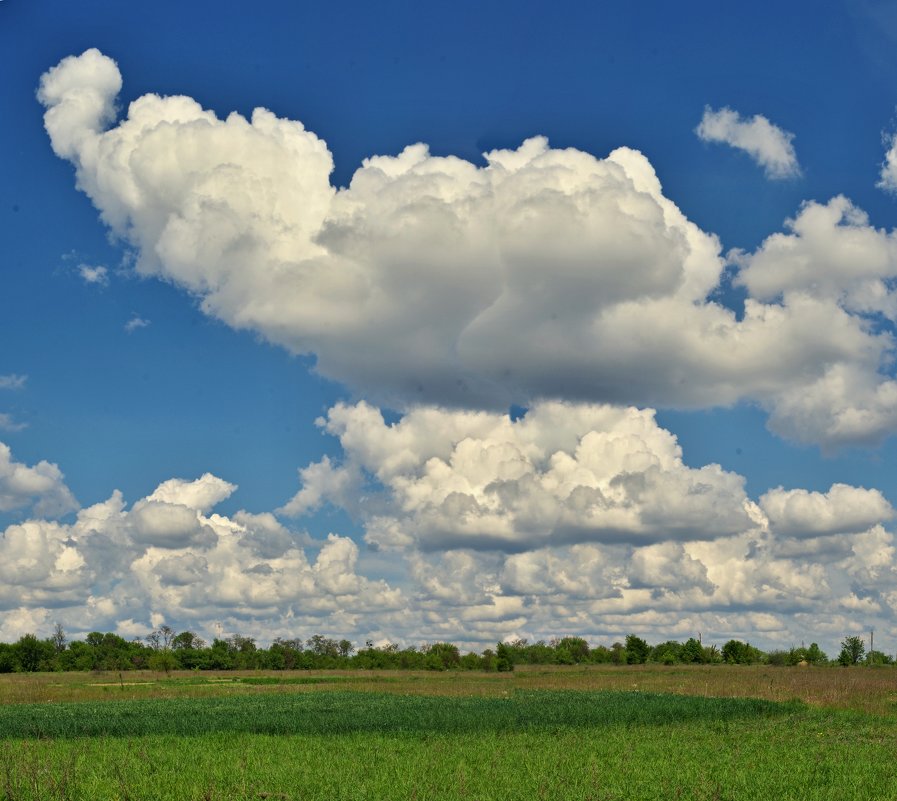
(165, 651)
(489, 740)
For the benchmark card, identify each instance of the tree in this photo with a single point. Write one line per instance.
(31, 652)
(815, 655)
(692, 651)
(852, 651)
(503, 661)
(58, 638)
(637, 650)
(345, 649)
(163, 661)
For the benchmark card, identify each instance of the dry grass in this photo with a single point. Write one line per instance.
(871, 690)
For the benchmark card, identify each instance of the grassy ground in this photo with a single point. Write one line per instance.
(457, 736)
(870, 690)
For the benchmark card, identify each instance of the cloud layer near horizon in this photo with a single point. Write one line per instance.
(575, 519)
(543, 274)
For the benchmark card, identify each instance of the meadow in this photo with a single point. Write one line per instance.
(713, 732)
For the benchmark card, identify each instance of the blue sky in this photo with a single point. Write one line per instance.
(220, 376)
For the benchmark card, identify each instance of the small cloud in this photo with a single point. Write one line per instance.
(93, 275)
(12, 381)
(888, 174)
(136, 322)
(8, 424)
(767, 144)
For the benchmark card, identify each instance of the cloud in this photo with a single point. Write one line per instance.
(7, 423)
(843, 509)
(40, 488)
(544, 273)
(12, 381)
(830, 251)
(167, 560)
(135, 323)
(203, 494)
(767, 144)
(798, 564)
(93, 275)
(888, 174)
(561, 474)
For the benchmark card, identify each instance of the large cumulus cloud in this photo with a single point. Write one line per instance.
(40, 487)
(542, 274)
(562, 474)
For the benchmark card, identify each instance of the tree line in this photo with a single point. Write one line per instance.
(165, 650)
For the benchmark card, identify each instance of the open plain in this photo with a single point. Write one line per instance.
(704, 732)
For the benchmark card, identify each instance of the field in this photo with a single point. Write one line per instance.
(558, 733)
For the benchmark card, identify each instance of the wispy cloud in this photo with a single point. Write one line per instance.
(12, 381)
(136, 322)
(767, 144)
(93, 275)
(7, 423)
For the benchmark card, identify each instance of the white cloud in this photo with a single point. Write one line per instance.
(543, 274)
(203, 494)
(767, 144)
(41, 487)
(135, 323)
(830, 251)
(799, 565)
(162, 560)
(888, 174)
(843, 509)
(12, 381)
(564, 473)
(93, 275)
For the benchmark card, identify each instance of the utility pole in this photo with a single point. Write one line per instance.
(871, 640)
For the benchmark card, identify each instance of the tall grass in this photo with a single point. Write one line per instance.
(336, 713)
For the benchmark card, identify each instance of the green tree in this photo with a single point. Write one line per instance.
(32, 654)
(815, 655)
(504, 663)
(852, 651)
(692, 651)
(163, 661)
(637, 650)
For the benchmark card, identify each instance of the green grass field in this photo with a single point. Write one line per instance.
(292, 740)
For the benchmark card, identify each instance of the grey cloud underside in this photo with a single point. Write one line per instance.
(543, 274)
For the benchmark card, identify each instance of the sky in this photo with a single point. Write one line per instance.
(471, 323)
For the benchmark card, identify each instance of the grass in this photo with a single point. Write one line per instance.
(871, 690)
(456, 736)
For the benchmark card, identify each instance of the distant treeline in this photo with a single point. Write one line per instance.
(164, 650)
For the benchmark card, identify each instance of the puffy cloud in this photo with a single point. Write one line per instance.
(798, 564)
(41, 487)
(203, 494)
(169, 525)
(830, 251)
(767, 144)
(167, 560)
(564, 473)
(322, 481)
(843, 509)
(544, 273)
